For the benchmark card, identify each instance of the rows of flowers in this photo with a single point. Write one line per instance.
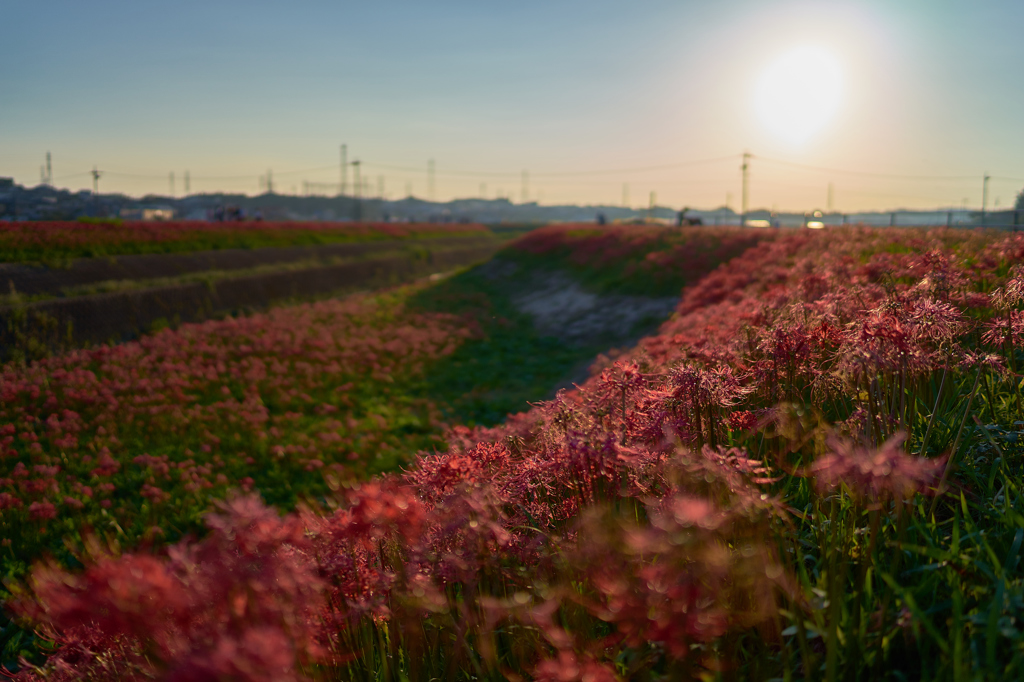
(812, 471)
(133, 440)
(48, 241)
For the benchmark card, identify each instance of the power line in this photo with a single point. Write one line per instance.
(249, 176)
(865, 174)
(572, 174)
(73, 175)
(559, 174)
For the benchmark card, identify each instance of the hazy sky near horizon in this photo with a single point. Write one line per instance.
(587, 96)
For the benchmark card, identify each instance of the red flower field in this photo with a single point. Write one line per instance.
(812, 471)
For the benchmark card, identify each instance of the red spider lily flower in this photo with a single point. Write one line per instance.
(885, 473)
(567, 667)
(42, 511)
(1011, 294)
(742, 420)
(238, 605)
(1007, 328)
(8, 501)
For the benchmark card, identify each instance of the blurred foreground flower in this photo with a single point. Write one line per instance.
(240, 605)
(876, 474)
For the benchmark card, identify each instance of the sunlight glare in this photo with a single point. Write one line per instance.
(799, 93)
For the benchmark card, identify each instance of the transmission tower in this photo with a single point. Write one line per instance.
(95, 180)
(49, 170)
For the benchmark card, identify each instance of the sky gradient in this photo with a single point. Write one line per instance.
(587, 96)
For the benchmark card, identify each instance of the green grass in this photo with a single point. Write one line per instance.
(507, 366)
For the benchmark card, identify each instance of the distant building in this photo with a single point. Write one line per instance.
(148, 213)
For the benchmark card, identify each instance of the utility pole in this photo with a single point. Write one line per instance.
(170, 179)
(430, 180)
(744, 167)
(357, 183)
(95, 190)
(344, 169)
(49, 170)
(984, 199)
(830, 197)
(408, 189)
(270, 181)
(650, 206)
(524, 192)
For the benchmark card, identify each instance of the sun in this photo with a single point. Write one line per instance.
(799, 93)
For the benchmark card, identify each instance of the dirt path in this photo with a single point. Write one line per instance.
(562, 308)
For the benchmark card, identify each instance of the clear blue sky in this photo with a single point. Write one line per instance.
(227, 90)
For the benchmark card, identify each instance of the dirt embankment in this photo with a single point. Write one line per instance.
(42, 280)
(35, 328)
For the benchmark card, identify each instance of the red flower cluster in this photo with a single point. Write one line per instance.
(240, 605)
(146, 432)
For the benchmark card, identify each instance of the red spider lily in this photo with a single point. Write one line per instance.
(873, 474)
(1006, 329)
(42, 511)
(240, 604)
(209, 384)
(567, 667)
